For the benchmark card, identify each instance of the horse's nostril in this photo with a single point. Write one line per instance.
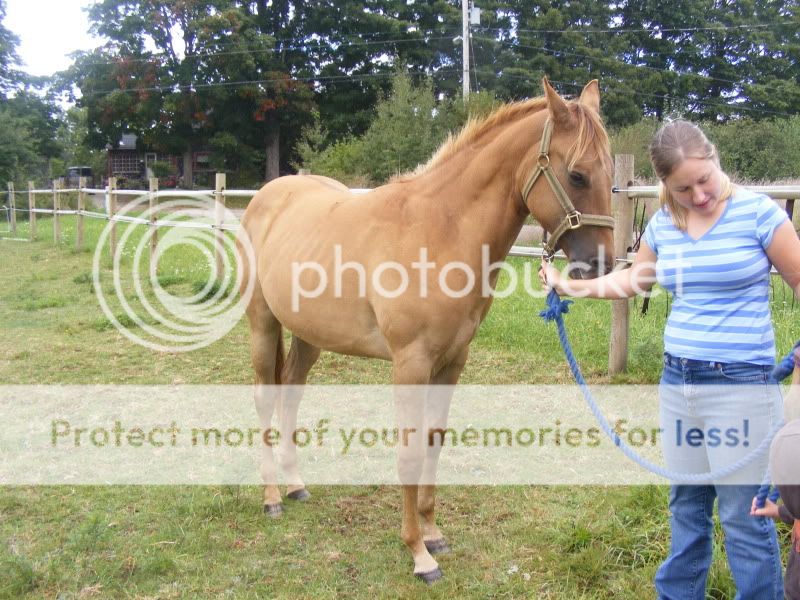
(601, 265)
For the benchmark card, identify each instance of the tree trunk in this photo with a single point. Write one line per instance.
(272, 168)
(188, 174)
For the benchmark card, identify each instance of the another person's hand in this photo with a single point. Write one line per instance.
(791, 402)
(770, 510)
(796, 535)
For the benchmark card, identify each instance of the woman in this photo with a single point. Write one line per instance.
(711, 245)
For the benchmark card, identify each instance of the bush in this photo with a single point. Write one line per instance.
(408, 128)
(635, 139)
(161, 168)
(750, 151)
(758, 151)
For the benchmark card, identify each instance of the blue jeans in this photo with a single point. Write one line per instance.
(713, 414)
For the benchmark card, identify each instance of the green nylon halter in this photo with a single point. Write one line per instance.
(572, 218)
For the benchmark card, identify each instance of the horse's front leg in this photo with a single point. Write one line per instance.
(437, 408)
(410, 378)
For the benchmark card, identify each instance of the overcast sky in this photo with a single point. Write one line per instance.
(49, 30)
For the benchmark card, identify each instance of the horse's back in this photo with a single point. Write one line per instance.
(274, 198)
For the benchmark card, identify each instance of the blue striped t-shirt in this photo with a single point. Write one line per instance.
(719, 282)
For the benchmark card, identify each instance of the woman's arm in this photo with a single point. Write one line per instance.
(624, 283)
(784, 254)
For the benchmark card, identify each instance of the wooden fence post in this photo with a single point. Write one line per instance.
(112, 210)
(32, 210)
(12, 208)
(623, 235)
(82, 182)
(219, 214)
(56, 208)
(790, 210)
(152, 200)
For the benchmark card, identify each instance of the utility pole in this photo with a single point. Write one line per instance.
(470, 15)
(465, 46)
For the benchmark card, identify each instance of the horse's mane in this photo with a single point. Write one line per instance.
(591, 133)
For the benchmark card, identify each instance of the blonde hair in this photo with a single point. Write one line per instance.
(674, 142)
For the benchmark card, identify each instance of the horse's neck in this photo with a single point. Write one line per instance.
(479, 187)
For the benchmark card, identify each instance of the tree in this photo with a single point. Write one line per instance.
(350, 50)
(244, 77)
(8, 55)
(29, 120)
(72, 133)
(17, 152)
(408, 127)
(406, 130)
(211, 72)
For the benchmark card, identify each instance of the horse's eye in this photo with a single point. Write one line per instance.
(577, 179)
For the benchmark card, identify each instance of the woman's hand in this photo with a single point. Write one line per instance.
(550, 277)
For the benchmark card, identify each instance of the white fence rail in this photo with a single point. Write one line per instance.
(622, 194)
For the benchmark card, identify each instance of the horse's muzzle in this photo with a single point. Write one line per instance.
(594, 267)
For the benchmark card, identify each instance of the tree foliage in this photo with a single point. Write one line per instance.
(244, 77)
(758, 151)
(28, 120)
(9, 76)
(182, 74)
(17, 151)
(408, 127)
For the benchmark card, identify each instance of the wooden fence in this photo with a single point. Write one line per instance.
(623, 194)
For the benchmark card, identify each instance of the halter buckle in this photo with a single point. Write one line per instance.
(543, 161)
(573, 219)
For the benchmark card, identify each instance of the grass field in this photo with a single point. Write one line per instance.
(213, 541)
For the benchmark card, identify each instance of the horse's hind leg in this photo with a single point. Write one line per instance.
(301, 358)
(266, 349)
(437, 408)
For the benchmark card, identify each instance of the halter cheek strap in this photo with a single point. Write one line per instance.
(572, 218)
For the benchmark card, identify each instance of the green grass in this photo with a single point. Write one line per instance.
(213, 541)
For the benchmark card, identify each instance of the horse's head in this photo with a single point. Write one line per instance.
(568, 182)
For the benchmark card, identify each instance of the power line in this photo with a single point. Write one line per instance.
(297, 46)
(318, 79)
(616, 61)
(621, 30)
(628, 90)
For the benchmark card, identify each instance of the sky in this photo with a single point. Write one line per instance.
(49, 30)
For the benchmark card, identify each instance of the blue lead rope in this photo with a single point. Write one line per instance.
(557, 307)
(785, 367)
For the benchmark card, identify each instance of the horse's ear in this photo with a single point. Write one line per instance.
(590, 96)
(559, 111)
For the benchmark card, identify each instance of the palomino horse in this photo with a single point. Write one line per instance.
(470, 200)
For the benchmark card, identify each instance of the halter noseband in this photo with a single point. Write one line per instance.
(572, 218)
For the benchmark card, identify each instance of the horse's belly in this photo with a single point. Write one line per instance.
(340, 324)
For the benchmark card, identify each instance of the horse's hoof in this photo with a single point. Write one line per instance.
(431, 576)
(273, 510)
(302, 495)
(437, 546)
